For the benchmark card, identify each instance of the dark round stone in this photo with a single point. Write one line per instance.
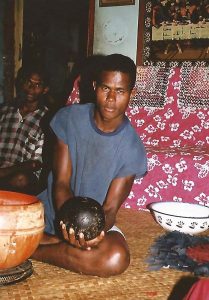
(84, 215)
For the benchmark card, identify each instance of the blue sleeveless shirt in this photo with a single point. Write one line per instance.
(97, 157)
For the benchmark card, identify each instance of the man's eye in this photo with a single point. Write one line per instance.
(31, 84)
(120, 92)
(105, 89)
(38, 85)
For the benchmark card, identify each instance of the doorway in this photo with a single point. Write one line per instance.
(55, 34)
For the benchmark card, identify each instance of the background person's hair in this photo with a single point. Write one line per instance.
(36, 69)
(120, 63)
(87, 76)
(25, 72)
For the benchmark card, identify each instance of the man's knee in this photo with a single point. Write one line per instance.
(23, 182)
(19, 180)
(117, 260)
(103, 264)
(113, 256)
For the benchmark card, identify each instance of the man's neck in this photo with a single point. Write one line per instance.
(107, 125)
(27, 108)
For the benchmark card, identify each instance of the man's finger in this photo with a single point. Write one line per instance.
(64, 231)
(72, 236)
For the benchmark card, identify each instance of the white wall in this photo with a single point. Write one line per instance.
(115, 29)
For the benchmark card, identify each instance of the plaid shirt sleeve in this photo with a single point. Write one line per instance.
(21, 139)
(37, 154)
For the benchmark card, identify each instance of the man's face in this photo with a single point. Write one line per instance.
(113, 94)
(34, 88)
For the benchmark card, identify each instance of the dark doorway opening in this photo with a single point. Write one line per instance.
(55, 34)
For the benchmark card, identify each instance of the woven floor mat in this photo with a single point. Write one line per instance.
(49, 282)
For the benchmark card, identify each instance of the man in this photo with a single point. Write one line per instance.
(21, 134)
(98, 155)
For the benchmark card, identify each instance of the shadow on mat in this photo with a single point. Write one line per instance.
(182, 287)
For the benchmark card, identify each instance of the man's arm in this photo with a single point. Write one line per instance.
(117, 193)
(62, 170)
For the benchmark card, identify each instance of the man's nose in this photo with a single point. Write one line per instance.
(111, 95)
(31, 86)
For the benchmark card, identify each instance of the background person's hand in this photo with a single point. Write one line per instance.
(32, 165)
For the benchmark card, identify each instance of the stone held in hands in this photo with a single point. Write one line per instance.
(84, 215)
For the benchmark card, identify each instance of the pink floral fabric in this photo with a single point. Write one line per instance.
(74, 96)
(177, 143)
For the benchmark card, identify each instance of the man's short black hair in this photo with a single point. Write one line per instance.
(26, 71)
(36, 69)
(120, 63)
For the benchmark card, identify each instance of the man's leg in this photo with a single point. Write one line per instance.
(111, 257)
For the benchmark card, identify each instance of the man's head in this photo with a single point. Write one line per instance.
(113, 86)
(32, 84)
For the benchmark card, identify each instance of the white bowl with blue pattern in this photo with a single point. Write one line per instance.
(183, 217)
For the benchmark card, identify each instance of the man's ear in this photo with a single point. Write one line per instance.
(45, 91)
(133, 92)
(94, 85)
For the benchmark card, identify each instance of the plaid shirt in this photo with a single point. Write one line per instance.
(21, 138)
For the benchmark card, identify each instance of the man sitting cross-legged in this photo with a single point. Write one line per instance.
(98, 155)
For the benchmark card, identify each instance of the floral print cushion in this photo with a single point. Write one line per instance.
(176, 137)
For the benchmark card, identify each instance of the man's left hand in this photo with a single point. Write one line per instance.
(81, 242)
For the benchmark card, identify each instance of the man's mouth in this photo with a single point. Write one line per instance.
(109, 109)
(30, 96)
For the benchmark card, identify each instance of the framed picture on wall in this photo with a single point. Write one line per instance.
(116, 2)
(172, 33)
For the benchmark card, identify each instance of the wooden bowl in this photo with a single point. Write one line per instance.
(21, 227)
